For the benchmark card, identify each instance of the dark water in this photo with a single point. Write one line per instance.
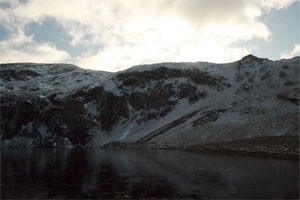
(79, 173)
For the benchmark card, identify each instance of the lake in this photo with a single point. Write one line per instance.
(103, 173)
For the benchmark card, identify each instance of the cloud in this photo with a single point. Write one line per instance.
(292, 53)
(277, 4)
(21, 48)
(134, 32)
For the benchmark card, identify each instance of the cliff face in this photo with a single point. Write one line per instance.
(168, 105)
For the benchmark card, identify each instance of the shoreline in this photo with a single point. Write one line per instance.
(204, 151)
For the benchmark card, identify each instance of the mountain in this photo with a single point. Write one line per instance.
(248, 105)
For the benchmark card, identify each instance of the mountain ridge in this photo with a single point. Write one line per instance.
(172, 105)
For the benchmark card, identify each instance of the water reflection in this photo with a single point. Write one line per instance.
(99, 173)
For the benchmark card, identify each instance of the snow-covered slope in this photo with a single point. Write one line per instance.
(166, 105)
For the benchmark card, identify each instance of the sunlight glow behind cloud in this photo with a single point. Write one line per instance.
(135, 32)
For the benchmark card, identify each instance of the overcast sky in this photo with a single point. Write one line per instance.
(112, 35)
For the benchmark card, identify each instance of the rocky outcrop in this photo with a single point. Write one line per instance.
(176, 105)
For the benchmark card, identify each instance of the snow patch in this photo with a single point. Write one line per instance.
(110, 86)
(42, 96)
(91, 108)
(45, 86)
(126, 131)
(28, 127)
(43, 131)
(67, 142)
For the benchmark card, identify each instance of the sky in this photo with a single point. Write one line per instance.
(112, 35)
